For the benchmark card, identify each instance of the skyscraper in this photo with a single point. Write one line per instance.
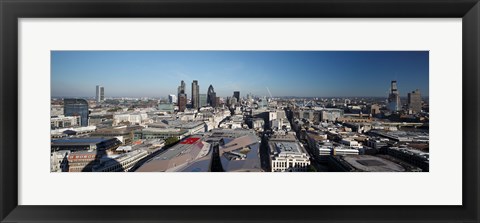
(211, 99)
(182, 97)
(394, 98)
(415, 101)
(217, 101)
(99, 94)
(236, 94)
(76, 107)
(182, 102)
(172, 98)
(195, 94)
(203, 100)
(181, 88)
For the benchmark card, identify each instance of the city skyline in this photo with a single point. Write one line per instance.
(318, 73)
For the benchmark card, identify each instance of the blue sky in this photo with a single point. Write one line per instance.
(285, 73)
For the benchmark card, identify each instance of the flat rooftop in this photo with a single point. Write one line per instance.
(287, 147)
(369, 163)
(218, 134)
(78, 141)
(241, 154)
(161, 130)
(117, 130)
(287, 137)
(190, 125)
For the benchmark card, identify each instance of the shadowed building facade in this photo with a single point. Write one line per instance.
(195, 94)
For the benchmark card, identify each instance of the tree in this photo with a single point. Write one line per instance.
(171, 141)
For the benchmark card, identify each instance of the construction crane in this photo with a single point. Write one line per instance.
(269, 92)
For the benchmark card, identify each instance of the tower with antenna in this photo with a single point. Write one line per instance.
(394, 98)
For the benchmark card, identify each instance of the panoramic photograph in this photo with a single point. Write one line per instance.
(239, 111)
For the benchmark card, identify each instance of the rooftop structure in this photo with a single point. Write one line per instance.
(59, 133)
(160, 133)
(287, 154)
(64, 121)
(166, 107)
(415, 157)
(403, 136)
(234, 122)
(364, 163)
(120, 163)
(76, 107)
(241, 154)
(126, 132)
(218, 134)
(86, 144)
(180, 156)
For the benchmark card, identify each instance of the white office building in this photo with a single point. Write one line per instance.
(172, 99)
(100, 94)
(287, 154)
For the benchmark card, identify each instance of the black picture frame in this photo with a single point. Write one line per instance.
(12, 10)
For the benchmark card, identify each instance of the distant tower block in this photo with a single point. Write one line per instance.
(236, 94)
(180, 91)
(195, 94)
(211, 96)
(99, 94)
(415, 101)
(394, 98)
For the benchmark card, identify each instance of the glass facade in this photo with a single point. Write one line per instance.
(76, 107)
(203, 100)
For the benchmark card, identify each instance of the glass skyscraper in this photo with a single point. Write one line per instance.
(203, 100)
(76, 107)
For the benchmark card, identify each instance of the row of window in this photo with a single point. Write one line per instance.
(284, 164)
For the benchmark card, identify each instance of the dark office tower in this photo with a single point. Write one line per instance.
(394, 98)
(99, 94)
(415, 101)
(76, 107)
(210, 99)
(182, 102)
(181, 90)
(237, 95)
(195, 94)
(213, 98)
